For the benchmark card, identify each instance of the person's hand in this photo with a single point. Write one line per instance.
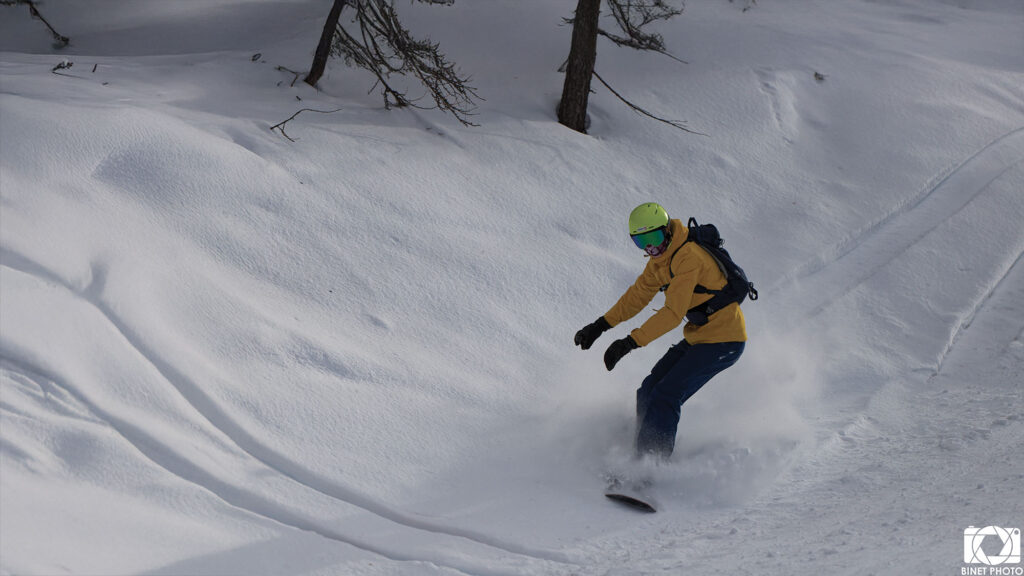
(586, 336)
(617, 350)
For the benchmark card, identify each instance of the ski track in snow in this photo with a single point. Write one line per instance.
(978, 306)
(162, 454)
(877, 245)
(179, 465)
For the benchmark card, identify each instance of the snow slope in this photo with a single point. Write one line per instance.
(223, 352)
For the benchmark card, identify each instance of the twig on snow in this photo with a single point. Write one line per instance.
(294, 80)
(63, 65)
(280, 125)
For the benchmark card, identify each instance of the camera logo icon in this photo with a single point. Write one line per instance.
(974, 537)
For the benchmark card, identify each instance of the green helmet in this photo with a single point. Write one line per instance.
(647, 217)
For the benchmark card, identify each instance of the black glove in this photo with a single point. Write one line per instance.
(586, 336)
(617, 350)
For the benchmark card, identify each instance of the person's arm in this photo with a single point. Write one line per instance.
(635, 299)
(677, 302)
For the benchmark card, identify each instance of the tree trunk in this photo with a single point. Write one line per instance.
(323, 49)
(572, 110)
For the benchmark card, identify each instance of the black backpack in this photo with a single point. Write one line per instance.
(737, 288)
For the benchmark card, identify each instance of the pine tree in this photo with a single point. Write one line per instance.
(572, 110)
(631, 17)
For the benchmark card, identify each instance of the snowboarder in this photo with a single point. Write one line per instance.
(684, 271)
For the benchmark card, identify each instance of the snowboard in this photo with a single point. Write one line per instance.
(631, 502)
(633, 495)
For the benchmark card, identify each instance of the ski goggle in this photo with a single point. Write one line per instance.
(654, 239)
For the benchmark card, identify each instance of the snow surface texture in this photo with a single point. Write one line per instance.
(222, 352)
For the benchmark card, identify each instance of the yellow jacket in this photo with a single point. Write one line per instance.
(691, 265)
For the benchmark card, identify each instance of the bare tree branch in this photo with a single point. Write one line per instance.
(280, 125)
(638, 46)
(283, 69)
(381, 45)
(60, 40)
(386, 48)
(675, 123)
(633, 15)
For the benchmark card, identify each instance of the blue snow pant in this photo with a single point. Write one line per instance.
(683, 370)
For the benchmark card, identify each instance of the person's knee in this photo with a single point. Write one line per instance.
(667, 400)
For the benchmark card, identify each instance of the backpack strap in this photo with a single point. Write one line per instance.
(700, 313)
(692, 227)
